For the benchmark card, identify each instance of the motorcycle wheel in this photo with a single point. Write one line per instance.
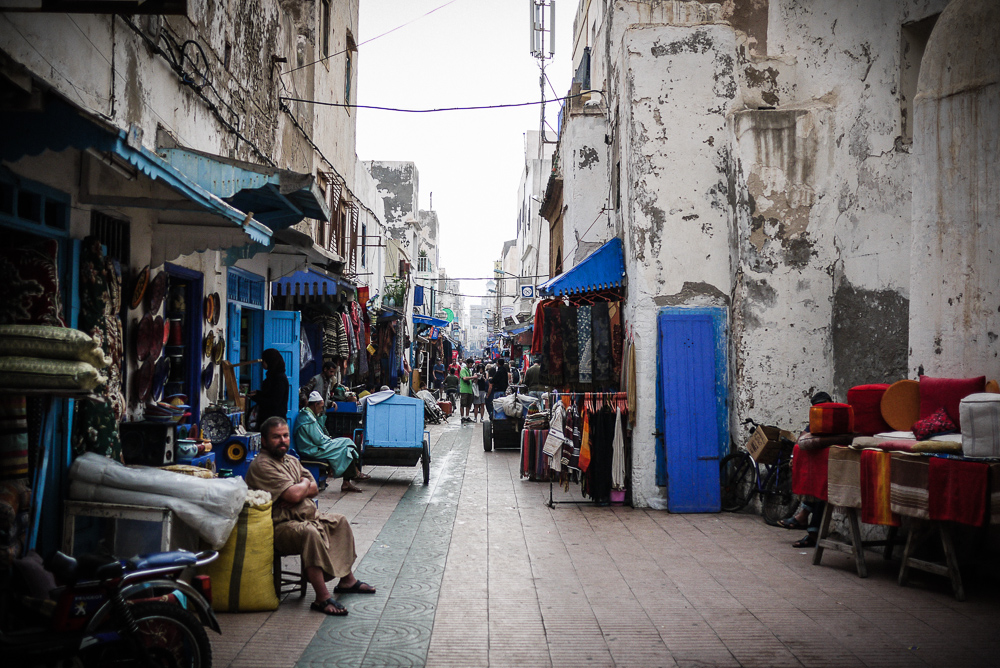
(172, 637)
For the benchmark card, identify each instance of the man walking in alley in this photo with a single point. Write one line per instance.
(325, 541)
(465, 389)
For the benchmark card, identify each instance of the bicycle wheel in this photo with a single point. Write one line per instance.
(739, 480)
(778, 502)
(172, 637)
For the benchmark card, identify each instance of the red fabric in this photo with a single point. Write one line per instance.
(867, 403)
(875, 483)
(937, 423)
(831, 418)
(29, 292)
(537, 336)
(947, 393)
(809, 472)
(957, 490)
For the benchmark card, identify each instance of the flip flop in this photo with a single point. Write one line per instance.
(355, 588)
(321, 606)
(362, 476)
(792, 523)
(351, 488)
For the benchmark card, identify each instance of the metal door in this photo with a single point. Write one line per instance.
(281, 332)
(693, 406)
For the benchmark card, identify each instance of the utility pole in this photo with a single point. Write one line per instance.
(540, 29)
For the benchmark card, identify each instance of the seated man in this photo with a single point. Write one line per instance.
(451, 384)
(325, 541)
(313, 441)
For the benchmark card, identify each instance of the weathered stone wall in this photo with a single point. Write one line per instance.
(586, 185)
(399, 188)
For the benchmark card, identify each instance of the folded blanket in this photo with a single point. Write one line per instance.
(958, 490)
(936, 445)
(908, 485)
(809, 472)
(844, 473)
(809, 441)
(875, 481)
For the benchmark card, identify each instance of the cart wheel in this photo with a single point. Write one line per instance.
(425, 461)
(487, 435)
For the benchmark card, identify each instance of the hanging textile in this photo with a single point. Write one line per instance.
(343, 347)
(585, 442)
(538, 334)
(570, 339)
(584, 348)
(554, 339)
(601, 452)
(617, 339)
(628, 386)
(601, 342)
(618, 455)
(554, 441)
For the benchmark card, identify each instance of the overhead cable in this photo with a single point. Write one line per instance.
(430, 111)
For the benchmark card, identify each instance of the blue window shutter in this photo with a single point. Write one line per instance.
(418, 295)
(281, 332)
(234, 316)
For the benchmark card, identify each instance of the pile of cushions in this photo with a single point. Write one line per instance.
(50, 358)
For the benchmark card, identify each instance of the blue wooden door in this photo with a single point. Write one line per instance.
(281, 332)
(693, 406)
(234, 321)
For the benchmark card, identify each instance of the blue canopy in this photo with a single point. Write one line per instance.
(602, 269)
(428, 320)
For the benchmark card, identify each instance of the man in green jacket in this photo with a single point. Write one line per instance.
(465, 389)
(313, 441)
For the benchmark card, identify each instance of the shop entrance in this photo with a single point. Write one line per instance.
(692, 410)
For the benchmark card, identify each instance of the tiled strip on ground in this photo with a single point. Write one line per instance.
(405, 563)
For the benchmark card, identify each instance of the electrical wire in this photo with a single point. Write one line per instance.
(332, 55)
(430, 111)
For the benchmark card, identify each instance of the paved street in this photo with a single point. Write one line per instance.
(475, 570)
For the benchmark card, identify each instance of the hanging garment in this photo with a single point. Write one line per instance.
(584, 462)
(554, 441)
(571, 354)
(343, 347)
(553, 323)
(584, 349)
(617, 338)
(601, 343)
(618, 455)
(537, 334)
(602, 440)
(629, 386)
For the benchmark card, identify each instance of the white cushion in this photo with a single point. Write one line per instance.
(980, 416)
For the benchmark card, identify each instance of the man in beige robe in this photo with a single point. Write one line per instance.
(325, 541)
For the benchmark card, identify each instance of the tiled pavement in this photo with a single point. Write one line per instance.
(475, 570)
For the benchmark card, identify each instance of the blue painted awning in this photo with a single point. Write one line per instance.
(308, 282)
(428, 320)
(518, 328)
(59, 126)
(278, 198)
(602, 269)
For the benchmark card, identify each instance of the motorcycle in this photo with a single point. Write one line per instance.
(109, 613)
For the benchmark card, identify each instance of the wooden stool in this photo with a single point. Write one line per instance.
(287, 581)
(918, 535)
(857, 547)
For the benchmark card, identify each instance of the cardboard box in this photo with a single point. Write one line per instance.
(766, 442)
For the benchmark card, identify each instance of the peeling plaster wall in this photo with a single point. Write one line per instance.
(586, 186)
(399, 188)
(677, 85)
(955, 312)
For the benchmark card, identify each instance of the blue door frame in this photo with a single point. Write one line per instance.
(193, 333)
(692, 406)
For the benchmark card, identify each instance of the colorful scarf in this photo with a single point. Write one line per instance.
(584, 350)
(876, 480)
(554, 341)
(571, 352)
(617, 339)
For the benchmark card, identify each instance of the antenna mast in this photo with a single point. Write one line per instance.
(543, 31)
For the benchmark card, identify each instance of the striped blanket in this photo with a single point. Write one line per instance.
(844, 475)
(908, 489)
(875, 477)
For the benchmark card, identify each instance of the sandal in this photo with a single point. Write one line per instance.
(362, 476)
(808, 541)
(355, 588)
(321, 606)
(792, 523)
(349, 487)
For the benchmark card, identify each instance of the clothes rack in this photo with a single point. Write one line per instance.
(593, 401)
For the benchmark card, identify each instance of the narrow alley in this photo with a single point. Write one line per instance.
(476, 570)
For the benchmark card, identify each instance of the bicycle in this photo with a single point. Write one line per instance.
(742, 476)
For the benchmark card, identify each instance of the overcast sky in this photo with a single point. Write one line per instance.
(469, 53)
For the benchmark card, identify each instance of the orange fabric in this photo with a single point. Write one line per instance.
(831, 418)
(876, 479)
(585, 443)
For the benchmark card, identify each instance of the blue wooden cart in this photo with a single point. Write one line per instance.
(393, 434)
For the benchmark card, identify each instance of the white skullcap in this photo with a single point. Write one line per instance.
(314, 396)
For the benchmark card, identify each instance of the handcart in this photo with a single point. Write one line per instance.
(393, 434)
(502, 430)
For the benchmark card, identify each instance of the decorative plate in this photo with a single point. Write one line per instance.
(160, 372)
(144, 339)
(217, 301)
(143, 380)
(156, 346)
(216, 427)
(157, 291)
(209, 344)
(209, 309)
(219, 351)
(208, 375)
(139, 290)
